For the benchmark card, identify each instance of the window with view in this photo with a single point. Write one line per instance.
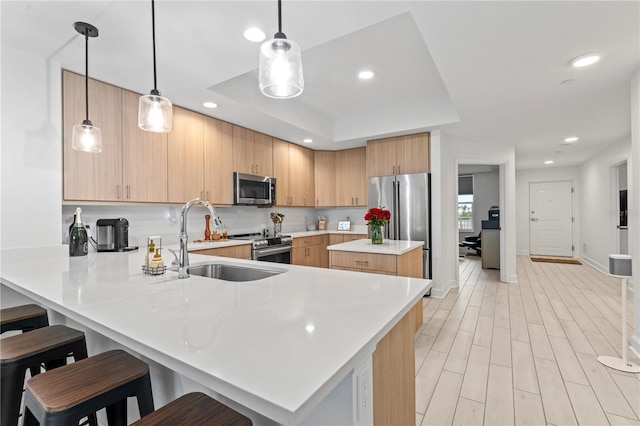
(465, 203)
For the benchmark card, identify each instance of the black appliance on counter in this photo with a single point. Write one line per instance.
(268, 249)
(113, 235)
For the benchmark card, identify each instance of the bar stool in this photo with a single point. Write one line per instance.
(23, 318)
(67, 394)
(49, 345)
(194, 409)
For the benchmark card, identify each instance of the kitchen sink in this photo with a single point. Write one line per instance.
(227, 272)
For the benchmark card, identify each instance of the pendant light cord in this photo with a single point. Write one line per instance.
(86, 73)
(153, 36)
(279, 16)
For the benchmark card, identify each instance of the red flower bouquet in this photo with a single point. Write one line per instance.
(377, 216)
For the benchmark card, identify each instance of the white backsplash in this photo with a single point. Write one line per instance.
(164, 221)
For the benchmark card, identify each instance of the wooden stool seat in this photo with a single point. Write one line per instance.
(194, 409)
(67, 394)
(49, 346)
(24, 318)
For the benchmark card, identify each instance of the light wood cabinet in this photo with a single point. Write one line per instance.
(236, 252)
(343, 238)
(185, 165)
(144, 160)
(88, 176)
(399, 155)
(293, 168)
(252, 152)
(218, 169)
(325, 178)
(408, 264)
(311, 251)
(351, 178)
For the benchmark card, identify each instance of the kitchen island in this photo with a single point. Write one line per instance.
(307, 346)
(392, 257)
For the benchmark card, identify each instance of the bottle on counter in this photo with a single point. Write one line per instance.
(78, 240)
(151, 252)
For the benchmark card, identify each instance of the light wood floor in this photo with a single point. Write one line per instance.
(502, 354)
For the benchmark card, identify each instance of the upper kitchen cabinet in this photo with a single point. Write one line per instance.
(218, 170)
(252, 152)
(351, 178)
(88, 176)
(293, 168)
(185, 163)
(144, 160)
(399, 155)
(325, 178)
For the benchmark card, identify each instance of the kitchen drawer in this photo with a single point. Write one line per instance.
(366, 262)
(310, 241)
(236, 252)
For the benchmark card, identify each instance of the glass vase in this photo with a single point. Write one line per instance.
(376, 234)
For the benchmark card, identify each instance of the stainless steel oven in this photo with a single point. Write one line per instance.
(274, 249)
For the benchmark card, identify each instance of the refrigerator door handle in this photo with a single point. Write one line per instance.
(397, 198)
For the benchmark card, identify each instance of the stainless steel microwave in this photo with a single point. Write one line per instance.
(251, 190)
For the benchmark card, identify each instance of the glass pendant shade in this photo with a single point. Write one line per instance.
(280, 69)
(86, 137)
(155, 113)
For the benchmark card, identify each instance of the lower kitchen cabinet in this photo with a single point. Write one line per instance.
(236, 252)
(311, 251)
(408, 264)
(344, 238)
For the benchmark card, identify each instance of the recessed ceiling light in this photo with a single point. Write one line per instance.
(366, 74)
(571, 139)
(210, 105)
(548, 162)
(585, 60)
(255, 35)
(307, 140)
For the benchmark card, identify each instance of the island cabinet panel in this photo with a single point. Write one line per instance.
(252, 152)
(185, 156)
(399, 155)
(365, 262)
(325, 178)
(218, 167)
(311, 251)
(343, 238)
(394, 401)
(144, 158)
(236, 252)
(88, 176)
(351, 178)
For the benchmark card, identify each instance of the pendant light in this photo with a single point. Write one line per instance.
(86, 137)
(280, 74)
(155, 112)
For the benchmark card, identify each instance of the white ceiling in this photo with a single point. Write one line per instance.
(481, 72)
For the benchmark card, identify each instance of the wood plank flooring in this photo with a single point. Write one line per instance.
(525, 354)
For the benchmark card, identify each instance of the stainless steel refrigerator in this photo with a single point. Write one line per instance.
(408, 197)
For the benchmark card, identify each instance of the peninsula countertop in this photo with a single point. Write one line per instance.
(396, 247)
(277, 346)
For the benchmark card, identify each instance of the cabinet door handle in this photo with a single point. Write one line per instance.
(317, 201)
(207, 193)
(356, 200)
(118, 192)
(257, 169)
(366, 262)
(128, 191)
(393, 172)
(399, 170)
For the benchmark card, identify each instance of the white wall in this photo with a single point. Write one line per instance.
(30, 150)
(633, 170)
(548, 174)
(599, 205)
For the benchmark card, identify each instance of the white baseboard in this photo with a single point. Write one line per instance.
(594, 264)
(635, 344)
(522, 252)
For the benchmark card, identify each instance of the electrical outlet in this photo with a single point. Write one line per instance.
(364, 396)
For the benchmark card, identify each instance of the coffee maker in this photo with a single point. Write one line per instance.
(113, 235)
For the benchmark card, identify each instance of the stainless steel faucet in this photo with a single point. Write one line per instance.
(183, 261)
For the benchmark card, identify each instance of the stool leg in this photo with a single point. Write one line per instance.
(29, 418)
(145, 395)
(10, 395)
(117, 413)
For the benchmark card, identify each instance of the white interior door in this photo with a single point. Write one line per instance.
(550, 219)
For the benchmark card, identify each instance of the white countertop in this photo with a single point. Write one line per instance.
(396, 247)
(301, 234)
(277, 346)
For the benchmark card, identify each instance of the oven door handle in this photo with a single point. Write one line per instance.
(271, 250)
